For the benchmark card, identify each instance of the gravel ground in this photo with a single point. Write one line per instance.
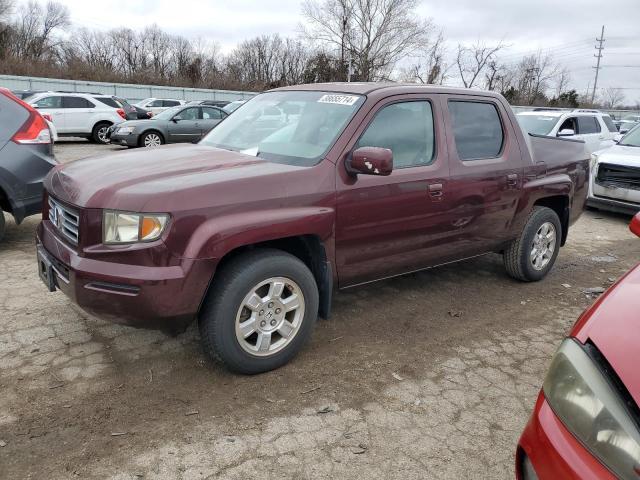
(430, 375)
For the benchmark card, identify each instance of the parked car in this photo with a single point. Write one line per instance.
(130, 112)
(615, 176)
(26, 156)
(585, 421)
(211, 103)
(250, 230)
(233, 106)
(157, 105)
(595, 128)
(78, 114)
(175, 125)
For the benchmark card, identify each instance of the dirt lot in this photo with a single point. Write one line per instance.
(432, 375)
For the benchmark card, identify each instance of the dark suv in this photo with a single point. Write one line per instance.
(26, 156)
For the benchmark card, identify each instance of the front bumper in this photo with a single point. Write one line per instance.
(130, 140)
(553, 451)
(162, 298)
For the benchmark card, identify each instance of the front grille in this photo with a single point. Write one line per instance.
(65, 220)
(618, 176)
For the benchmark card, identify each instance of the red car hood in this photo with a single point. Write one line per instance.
(613, 325)
(160, 179)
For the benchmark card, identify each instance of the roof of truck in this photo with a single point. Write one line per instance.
(390, 88)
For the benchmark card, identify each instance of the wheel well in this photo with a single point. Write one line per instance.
(310, 250)
(102, 122)
(560, 205)
(5, 204)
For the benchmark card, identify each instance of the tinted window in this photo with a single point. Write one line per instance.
(406, 129)
(108, 101)
(211, 114)
(587, 125)
(189, 114)
(476, 129)
(76, 102)
(155, 103)
(170, 103)
(49, 102)
(609, 123)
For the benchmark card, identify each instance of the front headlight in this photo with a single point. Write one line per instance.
(590, 406)
(125, 130)
(119, 227)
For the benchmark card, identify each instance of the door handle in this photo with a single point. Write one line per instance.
(435, 191)
(512, 179)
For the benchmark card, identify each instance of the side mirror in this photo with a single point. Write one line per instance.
(634, 226)
(370, 161)
(176, 119)
(566, 132)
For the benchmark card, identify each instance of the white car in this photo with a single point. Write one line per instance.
(77, 114)
(595, 128)
(614, 182)
(157, 105)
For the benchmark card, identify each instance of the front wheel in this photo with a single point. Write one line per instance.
(531, 256)
(151, 140)
(259, 312)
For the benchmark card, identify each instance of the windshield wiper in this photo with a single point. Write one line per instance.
(628, 145)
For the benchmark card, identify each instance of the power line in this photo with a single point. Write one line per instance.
(598, 56)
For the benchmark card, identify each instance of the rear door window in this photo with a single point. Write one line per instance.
(406, 128)
(477, 129)
(588, 125)
(76, 102)
(49, 102)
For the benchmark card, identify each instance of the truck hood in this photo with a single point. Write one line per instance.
(620, 155)
(613, 325)
(164, 178)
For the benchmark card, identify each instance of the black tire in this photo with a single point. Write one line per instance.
(217, 320)
(2, 224)
(98, 131)
(516, 256)
(143, 138)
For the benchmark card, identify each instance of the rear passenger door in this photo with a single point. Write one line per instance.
(590, 131)
(210, 118)
(486, 172)
(52, 105)
(78, 112)
(390, 225)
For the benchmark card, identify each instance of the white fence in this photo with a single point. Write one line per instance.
(131, 92)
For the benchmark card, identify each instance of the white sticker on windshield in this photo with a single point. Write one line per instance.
(339, 99)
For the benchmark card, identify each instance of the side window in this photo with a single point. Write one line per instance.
(155, 103)
(189, 114)
(170, 103)
(211, 114)
(609, 123)
(108, 101)
(569, 124)
(76, 102)
(587, 125)
(406, 128)
(477, 129)
(49, 102)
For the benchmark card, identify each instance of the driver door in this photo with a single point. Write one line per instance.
(185, 126)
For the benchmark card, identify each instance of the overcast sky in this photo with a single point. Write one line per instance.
(567, 28)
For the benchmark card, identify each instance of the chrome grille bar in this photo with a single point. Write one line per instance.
(65, 220)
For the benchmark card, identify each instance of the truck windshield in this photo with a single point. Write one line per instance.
(631, 139)
(537, 124)
(293, 127)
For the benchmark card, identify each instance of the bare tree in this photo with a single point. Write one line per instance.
(472, 60)
(612, 97)
(34, 33)
(375, 33)
(561, 81)
(432, 68)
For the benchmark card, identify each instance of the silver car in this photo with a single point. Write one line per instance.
(181, 124)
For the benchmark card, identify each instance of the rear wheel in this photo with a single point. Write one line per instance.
(531, 256)
(259, 312)
(99, 133)
(151, 140)
(2, 224)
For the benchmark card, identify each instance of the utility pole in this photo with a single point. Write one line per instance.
(597, 67)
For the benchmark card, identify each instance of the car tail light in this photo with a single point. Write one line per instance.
(35, 130)
(120, 112)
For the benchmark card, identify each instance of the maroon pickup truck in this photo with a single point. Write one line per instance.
(301, 190)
